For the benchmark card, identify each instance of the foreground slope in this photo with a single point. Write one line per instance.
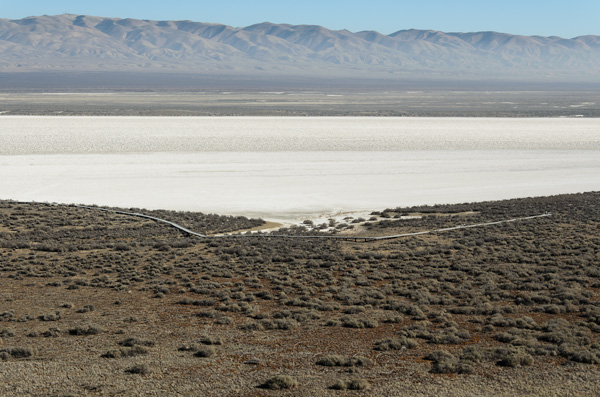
(99, 303)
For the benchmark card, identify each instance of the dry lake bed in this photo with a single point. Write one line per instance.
(290, 168)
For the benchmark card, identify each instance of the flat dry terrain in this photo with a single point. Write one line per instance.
(95, 303)
(435, 102)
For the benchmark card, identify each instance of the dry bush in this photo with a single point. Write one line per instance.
(336, 360)
(280, 382)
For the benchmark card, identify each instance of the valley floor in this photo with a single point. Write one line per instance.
(472, 101)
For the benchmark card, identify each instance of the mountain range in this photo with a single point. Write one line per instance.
(90, 43)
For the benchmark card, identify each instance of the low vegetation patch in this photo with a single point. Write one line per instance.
(352, 384)
(341, 361)
(519, 297)
(280, 382)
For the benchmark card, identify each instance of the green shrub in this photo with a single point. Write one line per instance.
(50, 317)
(134, 351)
(207, 351)
(353, 384)
(358, 384)
(335, 360)
(111, 354)
(446, 363)
(86, 308)
(393, 319)
(17, 352)
(51, 333)
(7, 333)
(280, 382)
(141, 369)
(515, 358)
(211, 340)
(130, 342)
(90, 330)
(350, 322)
(396, 344)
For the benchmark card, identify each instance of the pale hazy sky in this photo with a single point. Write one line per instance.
(565, 18)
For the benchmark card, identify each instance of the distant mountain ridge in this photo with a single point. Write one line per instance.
(89, 43)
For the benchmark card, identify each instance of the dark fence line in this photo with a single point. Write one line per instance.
(175, 225)
(347, 238)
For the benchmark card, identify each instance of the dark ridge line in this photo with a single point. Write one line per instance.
(346, 238)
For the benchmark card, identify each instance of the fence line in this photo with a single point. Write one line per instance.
(347, 238)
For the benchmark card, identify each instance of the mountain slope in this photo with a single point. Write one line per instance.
(80, 42)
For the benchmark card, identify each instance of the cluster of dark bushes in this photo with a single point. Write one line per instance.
(59, 228)
(131, 347)
(530, 289)
(15, 352)
(202, 223)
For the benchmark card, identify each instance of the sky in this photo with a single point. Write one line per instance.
(564, 18)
